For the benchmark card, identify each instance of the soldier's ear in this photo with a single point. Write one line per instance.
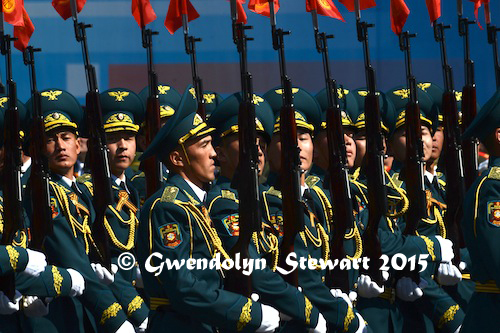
(221, 154)
(497, 135)
(176, 159)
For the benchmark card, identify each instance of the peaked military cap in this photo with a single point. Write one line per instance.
(307, 109)
(168, 97)
(400, 97)
(225, 117)
(212, 101)
(59, 109)
(347, 104)
(358, 116)
(122, 110)
(23, 117)
(182, 126)
(486, 121)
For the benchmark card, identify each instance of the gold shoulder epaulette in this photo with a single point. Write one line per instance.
(86, 177)
(169, 194)
(274, 192)
(312, 180)
(227, 194)
(396, 180)
(441, 182)
(138, 175)
(494, 173)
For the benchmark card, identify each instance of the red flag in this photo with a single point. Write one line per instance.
(477, 5)
(399, 14)
(143, 12)
(13, 11)
(434, 9)
(262, 7)
(242, 16)
(363, 4)
(325, 8)
(64, 9)
(23, 32)
(176, 9)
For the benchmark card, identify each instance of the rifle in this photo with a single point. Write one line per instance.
(469, 106)
(373, 163)
(12, 195)
(293, 215)
(190, 45)
(39, 179)
(337, 167)
(414, 163)
(152, 167)
(492, 39)
(453, 154)
(97, 149)
(246, 179)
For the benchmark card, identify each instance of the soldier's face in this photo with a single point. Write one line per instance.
(321, 147)
(62, 150)
(360, 139)
(122, 148)
(437, 143)
(305, 143)
(228, 153)
(350, 147)
(399, 143)
(201, 166)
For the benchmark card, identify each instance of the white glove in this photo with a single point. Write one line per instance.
(35, 307)
(138, 278)
(353, 296)
(77, 283)
(368, 288)
(102, 273)
(270, 319)
(6, 306)
(362, 328)
(320, 327)
(36, 263)
(446, 249)
(407, 289)
(448, 274)
(142, 327)
(126, 327)
(339, 293)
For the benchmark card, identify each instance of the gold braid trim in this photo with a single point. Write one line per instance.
(23, 240)
(272, 245)
(245, 316)
(13, 256)
(448, 316)
(325, 244)
(134, 305)
(430, 246)
(132, 223)
(255, 241)
(442, 227)
(401, 192)
(359, 244)
(348, 318)
(308, 310)
(112, 311)
(58, 280)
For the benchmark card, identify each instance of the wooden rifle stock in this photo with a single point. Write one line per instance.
(12, 195)
(41, 219)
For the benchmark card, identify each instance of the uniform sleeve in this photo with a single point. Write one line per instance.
(12, 259)
(225, 217)
(192, 295)
(52, 282)
(66, 248)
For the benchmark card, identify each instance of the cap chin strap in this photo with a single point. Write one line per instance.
(185, 153)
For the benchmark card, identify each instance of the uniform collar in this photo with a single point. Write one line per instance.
(119, 181)
(201, 194)
(430, 176)
(494, 161)
(26, 166)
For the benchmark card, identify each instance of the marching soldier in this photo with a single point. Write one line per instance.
(72, 217)
(481, 225)
(123, 111)
(224, 210)
(175, 226)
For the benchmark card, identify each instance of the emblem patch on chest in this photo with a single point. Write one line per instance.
(232, 224)
(170, 235)
(277, 222)
(494, 213)
(54, 208)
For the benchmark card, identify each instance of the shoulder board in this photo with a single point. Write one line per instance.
(58, 186)
(312, 180)
(494, 173)
(396, 180)
(87, 177)
(139, 175)
(89, 186)
(227, 194)
(169, 194)
(441, 182)
(274, 192)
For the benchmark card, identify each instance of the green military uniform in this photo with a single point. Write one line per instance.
(175, 224)
(72, 219)
(12, 259)
(313, 242)
(223, 207)
(435, 305)
(122, 110)
(481, 228)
